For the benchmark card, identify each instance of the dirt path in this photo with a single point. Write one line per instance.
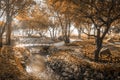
(37, 67)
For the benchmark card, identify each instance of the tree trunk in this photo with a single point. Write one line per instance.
(66, 39)
(98, 45)
(98, 48)
(8, 35)
(8, 26)
(1, 34)
(88, 37)
(53, 32)
(94, 31)
(67, 29)
(0, 41)
(99, 40)
(79, 34)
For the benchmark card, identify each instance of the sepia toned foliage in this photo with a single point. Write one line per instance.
(37, 20)
(101, 13)
(9, 9)
(64, 12)
(11, 63)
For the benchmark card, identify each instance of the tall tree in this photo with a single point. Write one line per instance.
(64, 10)
(102, 13)
(11, 9)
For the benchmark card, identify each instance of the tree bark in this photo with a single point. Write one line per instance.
(8, 33)
(66, 39)
(0, 41)
(98, 45)
(79, 34)
(98, 48)
(88, 36)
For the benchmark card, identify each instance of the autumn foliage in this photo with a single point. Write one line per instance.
(10, 65)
